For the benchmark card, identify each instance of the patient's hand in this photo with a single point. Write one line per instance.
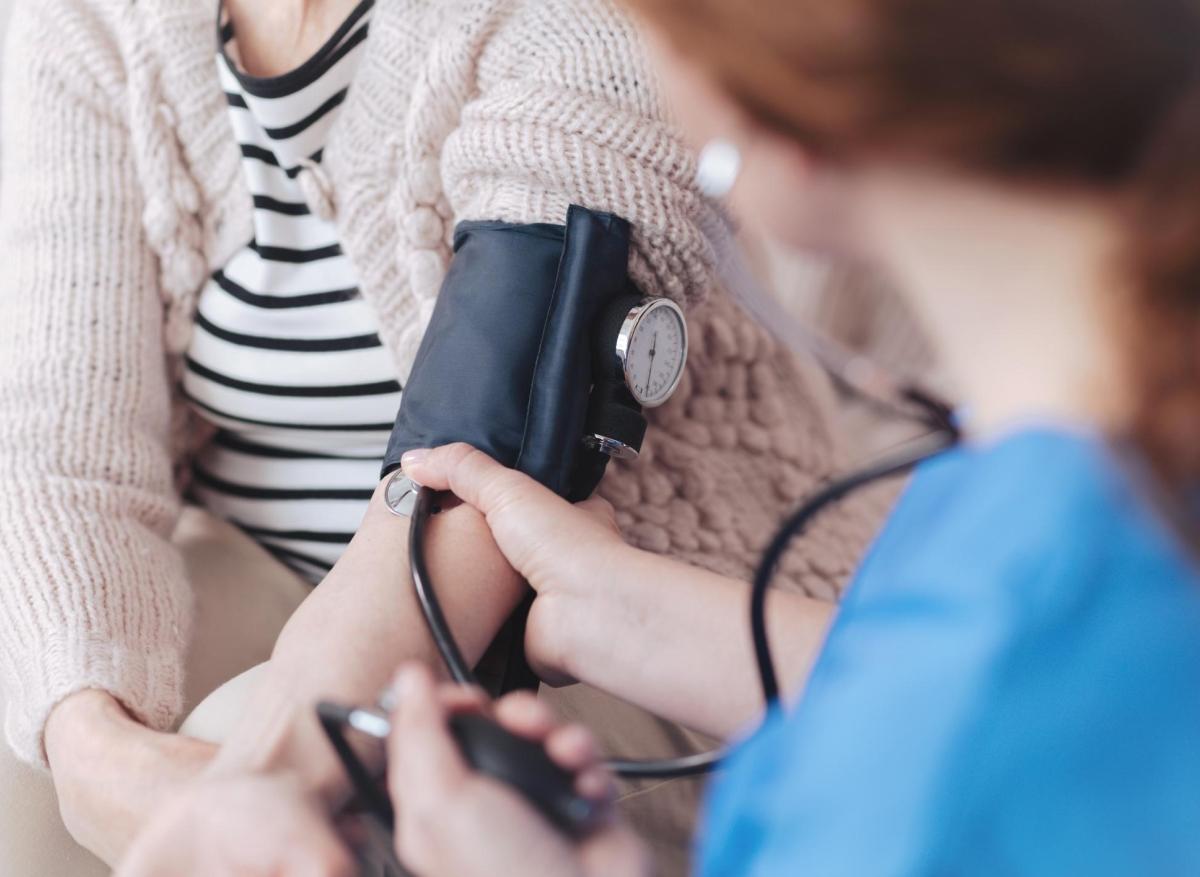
(112, 773)
(252, 825)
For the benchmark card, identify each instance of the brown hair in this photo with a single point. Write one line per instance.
(1099, 93)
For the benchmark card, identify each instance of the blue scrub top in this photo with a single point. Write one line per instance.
(1012, 686)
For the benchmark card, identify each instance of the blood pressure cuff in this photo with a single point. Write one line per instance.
(506, 363)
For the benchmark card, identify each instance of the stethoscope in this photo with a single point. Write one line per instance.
(943, 435)
(538, 779)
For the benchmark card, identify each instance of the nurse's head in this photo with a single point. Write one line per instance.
(1028, 169)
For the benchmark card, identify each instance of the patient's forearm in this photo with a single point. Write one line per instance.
(346, 640)
(676, 640)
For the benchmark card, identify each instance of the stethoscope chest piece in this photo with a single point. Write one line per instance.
(400, 494)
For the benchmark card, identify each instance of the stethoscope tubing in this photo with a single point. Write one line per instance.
(945, 435)
(335, 719)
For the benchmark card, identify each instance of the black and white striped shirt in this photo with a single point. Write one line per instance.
(286, 359)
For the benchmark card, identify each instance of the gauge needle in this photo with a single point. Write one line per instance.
(653, 350)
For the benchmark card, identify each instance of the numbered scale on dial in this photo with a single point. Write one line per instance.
(652, 349)
(642, 346)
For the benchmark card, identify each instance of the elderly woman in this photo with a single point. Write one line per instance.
(224, 227)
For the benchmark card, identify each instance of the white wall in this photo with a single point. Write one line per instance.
(5, 6)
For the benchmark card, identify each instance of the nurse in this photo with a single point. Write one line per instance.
(1013, 683)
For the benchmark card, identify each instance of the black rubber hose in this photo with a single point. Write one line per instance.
(334, 720)
(703, 762)
(431, 608)
(795, 525)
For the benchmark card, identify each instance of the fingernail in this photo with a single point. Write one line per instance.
(389, 699)
(413, 457)
(407, 683)
(594, 784)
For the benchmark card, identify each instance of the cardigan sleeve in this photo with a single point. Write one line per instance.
(564, 108)
(561, 106)
(92, 593)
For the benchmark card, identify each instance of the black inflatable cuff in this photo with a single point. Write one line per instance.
(506, 363)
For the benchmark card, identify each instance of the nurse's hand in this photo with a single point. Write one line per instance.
(454, 821)
(561, 549)
(547, 540)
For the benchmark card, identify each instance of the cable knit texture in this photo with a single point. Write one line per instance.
(121, 192)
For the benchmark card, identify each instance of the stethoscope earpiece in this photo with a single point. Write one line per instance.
(717, 168)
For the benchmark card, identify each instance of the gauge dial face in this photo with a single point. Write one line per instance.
(654, 352)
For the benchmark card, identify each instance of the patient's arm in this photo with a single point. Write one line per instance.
(346, 640)
(670, 637)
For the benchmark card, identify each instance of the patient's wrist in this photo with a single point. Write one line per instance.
(111, 772)
(83, 715)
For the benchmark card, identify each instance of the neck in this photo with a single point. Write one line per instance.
(1018, 291)
(280, 35)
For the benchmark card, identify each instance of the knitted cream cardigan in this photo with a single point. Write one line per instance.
(122, 191)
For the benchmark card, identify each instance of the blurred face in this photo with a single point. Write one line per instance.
(780, 190)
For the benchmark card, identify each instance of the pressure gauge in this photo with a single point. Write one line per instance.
(652, 347)
(641, 347)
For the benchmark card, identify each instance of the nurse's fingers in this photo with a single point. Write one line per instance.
(522, 713)
(571, 747)
(475, 478)
(601, 510)
(464, 698)
(541, 534)
(425, 768)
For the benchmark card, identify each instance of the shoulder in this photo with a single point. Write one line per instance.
(1042, 544)
(590, 47)
(559, 106)
(77, 29)
(71, 15)
(1047, 580)
(92, 46)
(584, 48)
(1086, 508)
(1021, 658)
(1026, 505)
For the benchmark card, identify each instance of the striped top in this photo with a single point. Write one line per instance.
(286, 360)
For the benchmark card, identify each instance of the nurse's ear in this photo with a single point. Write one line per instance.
(782, 192)
(778, 190)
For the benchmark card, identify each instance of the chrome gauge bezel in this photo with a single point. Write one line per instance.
(629, 328)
